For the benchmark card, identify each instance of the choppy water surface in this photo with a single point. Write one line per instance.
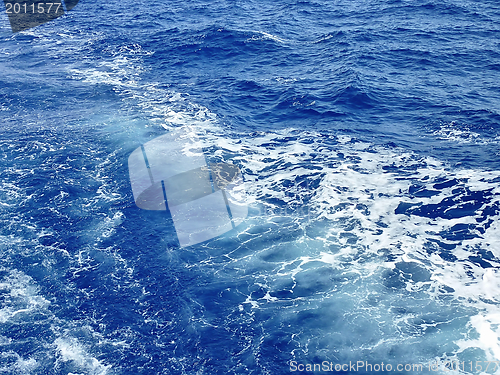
(368, 134)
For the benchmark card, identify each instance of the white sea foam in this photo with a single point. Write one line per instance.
(122, 71)
(18, 365)
(22, 305)
(350, 237)
(486, 325)
(20, 297)
(461, 134)
(356, 200)
(70, 349)
(262, 35)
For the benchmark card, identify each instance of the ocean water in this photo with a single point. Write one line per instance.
(368, 135)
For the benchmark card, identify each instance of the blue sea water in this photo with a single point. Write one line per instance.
(368, 134)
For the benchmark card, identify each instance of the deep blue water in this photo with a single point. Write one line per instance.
(368, 134)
